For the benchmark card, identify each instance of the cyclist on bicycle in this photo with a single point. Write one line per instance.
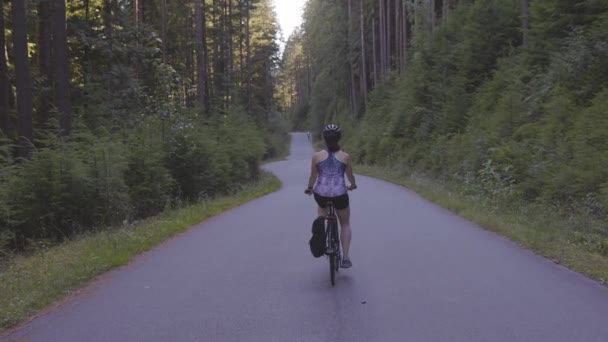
(327, 177)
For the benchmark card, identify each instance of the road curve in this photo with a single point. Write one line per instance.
(420, 273)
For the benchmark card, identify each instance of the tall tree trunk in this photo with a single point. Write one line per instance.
(163, 25)
(189, 98)
(297, 82)
(140, 11)
(5, 124)
(387, 37)
(248, 47)
(525, 21)
(389, 41)
(200, 63)
(398, 57)
(23, 78)
(218, 73)
(241, 71)
(406, 26)
(374, 62)
(62, 67)
(308, 77)
(432, 14)
(230, 54)
(86, 63)
(353, 93)
(108, 20)
(206, 65)
(135, 4)
(44, 55)
(363, 66)
(382, 32)
(290, 92)
(224, 49)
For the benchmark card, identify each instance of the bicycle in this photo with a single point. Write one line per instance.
(332, 237)
(332, 241)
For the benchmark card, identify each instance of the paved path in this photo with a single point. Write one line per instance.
(420, 274)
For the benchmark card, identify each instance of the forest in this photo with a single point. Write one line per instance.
(500, 99)
(112, 111)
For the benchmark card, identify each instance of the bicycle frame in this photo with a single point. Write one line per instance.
(332, 223)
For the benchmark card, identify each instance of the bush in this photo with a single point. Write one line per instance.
(91, 181)
(151, 186)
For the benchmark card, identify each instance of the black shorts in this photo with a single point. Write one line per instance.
(340, 202)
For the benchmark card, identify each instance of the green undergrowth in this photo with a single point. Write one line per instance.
(30, 283)
(562, 238)
(283, 154)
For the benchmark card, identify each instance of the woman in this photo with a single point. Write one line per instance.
(327, 177)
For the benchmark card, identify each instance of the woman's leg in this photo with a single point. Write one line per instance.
(344, 216)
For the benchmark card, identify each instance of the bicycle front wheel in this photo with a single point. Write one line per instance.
(332, 268)
(333, 256)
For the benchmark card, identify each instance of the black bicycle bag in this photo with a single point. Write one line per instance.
(317, 241)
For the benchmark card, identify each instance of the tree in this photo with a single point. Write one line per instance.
(248, 49)
(23, 78)
(353, 93)
(405, 35)
(44, 59)
(200, 62)
(264, 49)
(374, 59)
(62, 67)
(524, 22)
(230, 55)
(363, 66)
(4, 81)
(138, 11)
(163, 30)
(382, 32)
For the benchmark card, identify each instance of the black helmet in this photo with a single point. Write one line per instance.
(332, 131)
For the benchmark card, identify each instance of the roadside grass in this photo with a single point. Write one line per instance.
(30, 283)
(555, 235)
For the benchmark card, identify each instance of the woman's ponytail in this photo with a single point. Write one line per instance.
(332, 145)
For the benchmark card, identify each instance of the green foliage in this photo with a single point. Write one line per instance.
(140, 144)
(214, 158)
(64, 188)
(148, 179)
(92, 181)
(325, 42)
(474, 108)
(554, 20)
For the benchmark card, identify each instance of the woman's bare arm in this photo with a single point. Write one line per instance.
(313, 172)
(349, 172)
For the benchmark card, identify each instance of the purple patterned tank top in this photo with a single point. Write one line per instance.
(330, 182)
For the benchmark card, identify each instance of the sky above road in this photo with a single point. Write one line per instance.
(289, 13)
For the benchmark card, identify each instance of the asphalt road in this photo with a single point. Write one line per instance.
(420, 273)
